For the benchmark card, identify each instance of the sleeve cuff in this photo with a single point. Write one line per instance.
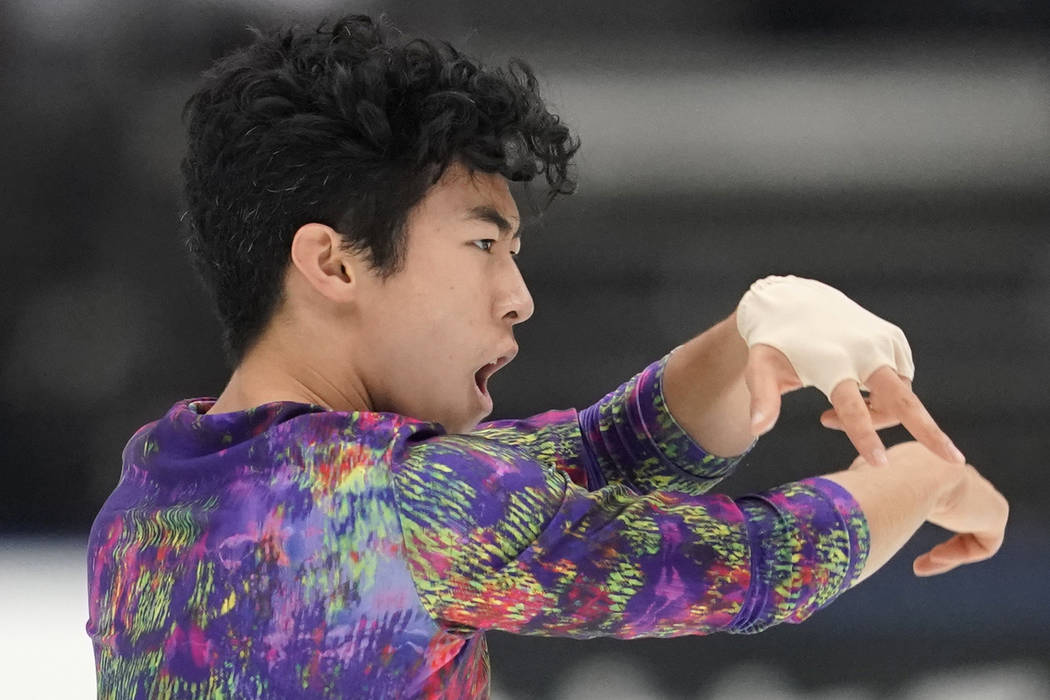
(809, 543)
(632, 425)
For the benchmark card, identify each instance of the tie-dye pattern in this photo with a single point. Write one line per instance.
(294, 552)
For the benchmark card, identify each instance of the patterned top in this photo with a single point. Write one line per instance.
(289, 551)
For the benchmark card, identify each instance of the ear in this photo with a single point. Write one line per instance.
(321, 261)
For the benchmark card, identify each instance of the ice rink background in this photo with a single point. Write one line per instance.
(898, 150)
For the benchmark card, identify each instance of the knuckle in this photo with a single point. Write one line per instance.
(1004, 508)
(987, 549)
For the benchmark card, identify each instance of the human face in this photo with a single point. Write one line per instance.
(434, 332)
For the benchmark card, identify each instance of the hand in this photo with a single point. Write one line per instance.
(769, 374)
(802, 332)
(890, 402)
(978, 513)
(974, 510)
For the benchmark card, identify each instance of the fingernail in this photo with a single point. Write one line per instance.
(959, 456)
(879, 455)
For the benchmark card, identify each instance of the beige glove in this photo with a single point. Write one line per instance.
(825, 335)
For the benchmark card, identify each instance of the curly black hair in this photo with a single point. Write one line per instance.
(346, 125)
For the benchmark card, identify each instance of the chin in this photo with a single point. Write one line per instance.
(460, 419)
(465, 426)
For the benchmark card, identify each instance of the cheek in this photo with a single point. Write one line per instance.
(434, 321)
(426, 341)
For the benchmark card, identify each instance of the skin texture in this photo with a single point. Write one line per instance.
(348, 340)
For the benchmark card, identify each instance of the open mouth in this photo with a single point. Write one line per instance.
(481, 377)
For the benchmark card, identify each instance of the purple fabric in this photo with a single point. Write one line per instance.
(294, 552)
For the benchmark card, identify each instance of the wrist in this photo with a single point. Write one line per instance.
(705, 390)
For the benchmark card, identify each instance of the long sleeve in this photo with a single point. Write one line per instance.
(628, 437)
(500, 536)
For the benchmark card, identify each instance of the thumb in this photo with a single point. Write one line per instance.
(761, 381)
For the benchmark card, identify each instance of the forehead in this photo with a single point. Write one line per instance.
(461, 193)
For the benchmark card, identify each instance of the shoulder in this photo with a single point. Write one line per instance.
(376, 428)
(344, 445)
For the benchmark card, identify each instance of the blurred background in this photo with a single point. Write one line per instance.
(899, 151)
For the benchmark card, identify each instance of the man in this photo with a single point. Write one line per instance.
(337, 523)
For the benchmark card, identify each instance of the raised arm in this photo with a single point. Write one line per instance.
(684, 422)
(628, 437)
(495, 540)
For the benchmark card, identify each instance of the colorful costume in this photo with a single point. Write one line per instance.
(293, 552)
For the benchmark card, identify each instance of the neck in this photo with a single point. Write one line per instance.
(266, 375)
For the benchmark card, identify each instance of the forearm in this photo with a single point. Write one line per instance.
(896, 500)
(705, 390)
(630, 436)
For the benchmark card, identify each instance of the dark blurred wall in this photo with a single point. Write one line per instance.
(896, 150)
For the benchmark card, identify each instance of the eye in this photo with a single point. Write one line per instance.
(485, 243)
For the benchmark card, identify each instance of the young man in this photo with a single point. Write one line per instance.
(337, 523)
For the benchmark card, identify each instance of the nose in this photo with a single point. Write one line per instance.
(515, 302)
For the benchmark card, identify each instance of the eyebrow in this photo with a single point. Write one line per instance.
(490, 214)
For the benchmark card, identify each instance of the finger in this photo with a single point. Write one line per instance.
(856, 421)
(760, 375)
(879, 420)
(938, 560)
(895, 397)
(924, 566)
(963, 548)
